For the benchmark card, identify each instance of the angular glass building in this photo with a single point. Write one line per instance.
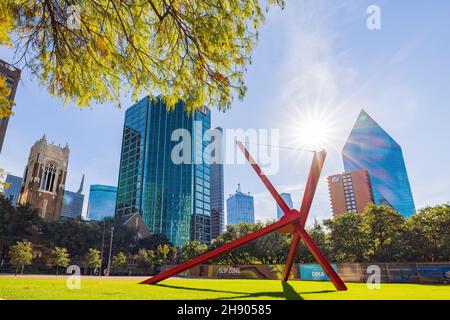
(240, 208)
(172, 197)
(102, 202)
(370, 147)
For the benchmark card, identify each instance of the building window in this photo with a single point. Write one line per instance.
(48, 177)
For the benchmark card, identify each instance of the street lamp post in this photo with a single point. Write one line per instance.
(110, 250)
(103, 246)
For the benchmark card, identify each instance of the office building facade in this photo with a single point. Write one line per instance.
(13, 191)
(44, 179)
(350, 192)
(217, 187)
(73, 202)
(102, 202)
(288, 199)
(168, 186)
(12, 76)
(371, 148)
(240, 208)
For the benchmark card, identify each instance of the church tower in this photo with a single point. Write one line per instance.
(44, 179)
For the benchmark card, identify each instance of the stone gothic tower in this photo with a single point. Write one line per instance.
(44, 179)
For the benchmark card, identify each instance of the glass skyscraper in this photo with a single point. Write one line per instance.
(102, 202)
(288, 199)
(172, 197)
(240, 208)
(370, 147)
(72, 206)
(217, 189)
(13, 191)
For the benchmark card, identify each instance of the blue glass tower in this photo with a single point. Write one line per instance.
(102, 202)
(240, 208)
(173, 198)
(72, 206)
(13, 191)
(370, 147)
(288, 199)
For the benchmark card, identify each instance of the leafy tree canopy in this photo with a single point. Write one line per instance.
(93, 258)
(21, 254)
(97, 50)
(120, 260)
(16, 224)
(145, 258)
(193, 249)
(59, 258)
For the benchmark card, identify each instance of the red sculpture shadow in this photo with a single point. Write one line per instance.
(293, 221)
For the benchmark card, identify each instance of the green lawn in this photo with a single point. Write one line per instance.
(52, 288)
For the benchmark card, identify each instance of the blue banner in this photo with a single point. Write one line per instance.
(314, 272)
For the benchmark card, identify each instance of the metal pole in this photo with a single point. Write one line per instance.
(110, 251)
(103, 245)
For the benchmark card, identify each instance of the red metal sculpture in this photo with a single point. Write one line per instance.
(293, 221)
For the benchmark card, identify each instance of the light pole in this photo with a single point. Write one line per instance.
(110, 250)
(103, 245)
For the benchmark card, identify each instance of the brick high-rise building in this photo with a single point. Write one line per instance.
(12, 75)
(44, 179)
(350, 191)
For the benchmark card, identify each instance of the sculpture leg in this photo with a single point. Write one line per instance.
(291, 256)
(318, 255)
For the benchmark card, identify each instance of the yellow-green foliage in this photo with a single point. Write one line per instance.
(21, 253)
(195, 50)
(5, 103)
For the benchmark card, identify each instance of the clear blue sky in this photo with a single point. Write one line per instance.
(314, 57)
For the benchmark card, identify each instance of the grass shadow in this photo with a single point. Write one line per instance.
(290, 293)
(238, 294)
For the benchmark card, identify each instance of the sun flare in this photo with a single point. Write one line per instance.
(313, 134)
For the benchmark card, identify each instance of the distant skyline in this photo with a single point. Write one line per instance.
(314, 59)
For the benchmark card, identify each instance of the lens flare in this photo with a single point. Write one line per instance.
(314, 134)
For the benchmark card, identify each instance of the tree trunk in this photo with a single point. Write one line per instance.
(23, 266)
(56, 270)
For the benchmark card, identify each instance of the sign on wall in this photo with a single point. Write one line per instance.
(314, 272)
